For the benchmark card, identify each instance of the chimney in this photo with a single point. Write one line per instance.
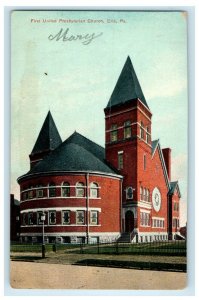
(167, 158)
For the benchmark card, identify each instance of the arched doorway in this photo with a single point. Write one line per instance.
(129, 221)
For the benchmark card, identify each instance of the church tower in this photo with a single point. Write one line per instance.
(128, 135)
(48, 139)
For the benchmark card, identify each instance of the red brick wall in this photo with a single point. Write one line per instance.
(153, 177)
(109, 202)
(133, 155)
(132, 148)
(175, 213)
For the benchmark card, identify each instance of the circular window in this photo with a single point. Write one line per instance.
(156, 199)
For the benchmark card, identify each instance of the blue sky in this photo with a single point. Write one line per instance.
(81, 78)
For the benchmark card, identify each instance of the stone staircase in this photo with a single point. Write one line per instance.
(125, 237)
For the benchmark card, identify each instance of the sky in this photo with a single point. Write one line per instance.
(82, 75)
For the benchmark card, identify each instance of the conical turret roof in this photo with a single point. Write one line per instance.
(77, 153)
(127, 87)
(48, 138)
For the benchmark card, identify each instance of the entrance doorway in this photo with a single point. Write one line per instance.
(129, 221)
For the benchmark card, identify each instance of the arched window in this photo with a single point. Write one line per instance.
(30, 218)
(79, 189)
(141, 193)
(80, 217)
(114, 133)
(30, 192)
(39, 191)
(39, 215)
(127, 129)
(144, 194)
(52, 190)
(94, 217)
(147, 135)
(66, 217)
(141, 130)
(129, 193)
(120, 160)
(24, 219)
(147, 195)
(141, 218)
(93, 190)
(52, 217)
(65, 190)
(148, 220)
(25, 196)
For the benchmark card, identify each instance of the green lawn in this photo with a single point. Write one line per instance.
(29, 248)
(161, 248)
(37, 247)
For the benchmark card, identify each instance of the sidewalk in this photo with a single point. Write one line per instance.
(57, 276)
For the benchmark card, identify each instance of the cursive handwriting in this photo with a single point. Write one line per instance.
(64, 36)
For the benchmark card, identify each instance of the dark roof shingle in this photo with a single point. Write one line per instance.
(154, 145)
(48, 138)
(77, 153)
(127, 87)
(173, 186)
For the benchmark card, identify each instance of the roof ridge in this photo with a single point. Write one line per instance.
(89, 140)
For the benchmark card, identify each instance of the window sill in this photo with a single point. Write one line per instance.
(144, 201)
(158, 227)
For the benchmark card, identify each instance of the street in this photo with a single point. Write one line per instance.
(33, 275)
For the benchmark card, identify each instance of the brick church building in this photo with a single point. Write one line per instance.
(88, 193)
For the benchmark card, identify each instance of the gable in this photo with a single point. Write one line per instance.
(156, 149)
(174, 187)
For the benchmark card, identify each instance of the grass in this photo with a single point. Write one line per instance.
(167, 256)
(37, 247)
(28, 248)
(157, 248)
(153, 262)
(160, 248)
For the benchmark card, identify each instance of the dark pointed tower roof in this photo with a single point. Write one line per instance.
(127, 87)
(75, 154)
(48, 138)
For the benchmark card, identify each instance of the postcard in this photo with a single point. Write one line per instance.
(99, 121)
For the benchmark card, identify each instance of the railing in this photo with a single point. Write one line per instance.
(161, 248)
(167, 248)
(133, 234)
